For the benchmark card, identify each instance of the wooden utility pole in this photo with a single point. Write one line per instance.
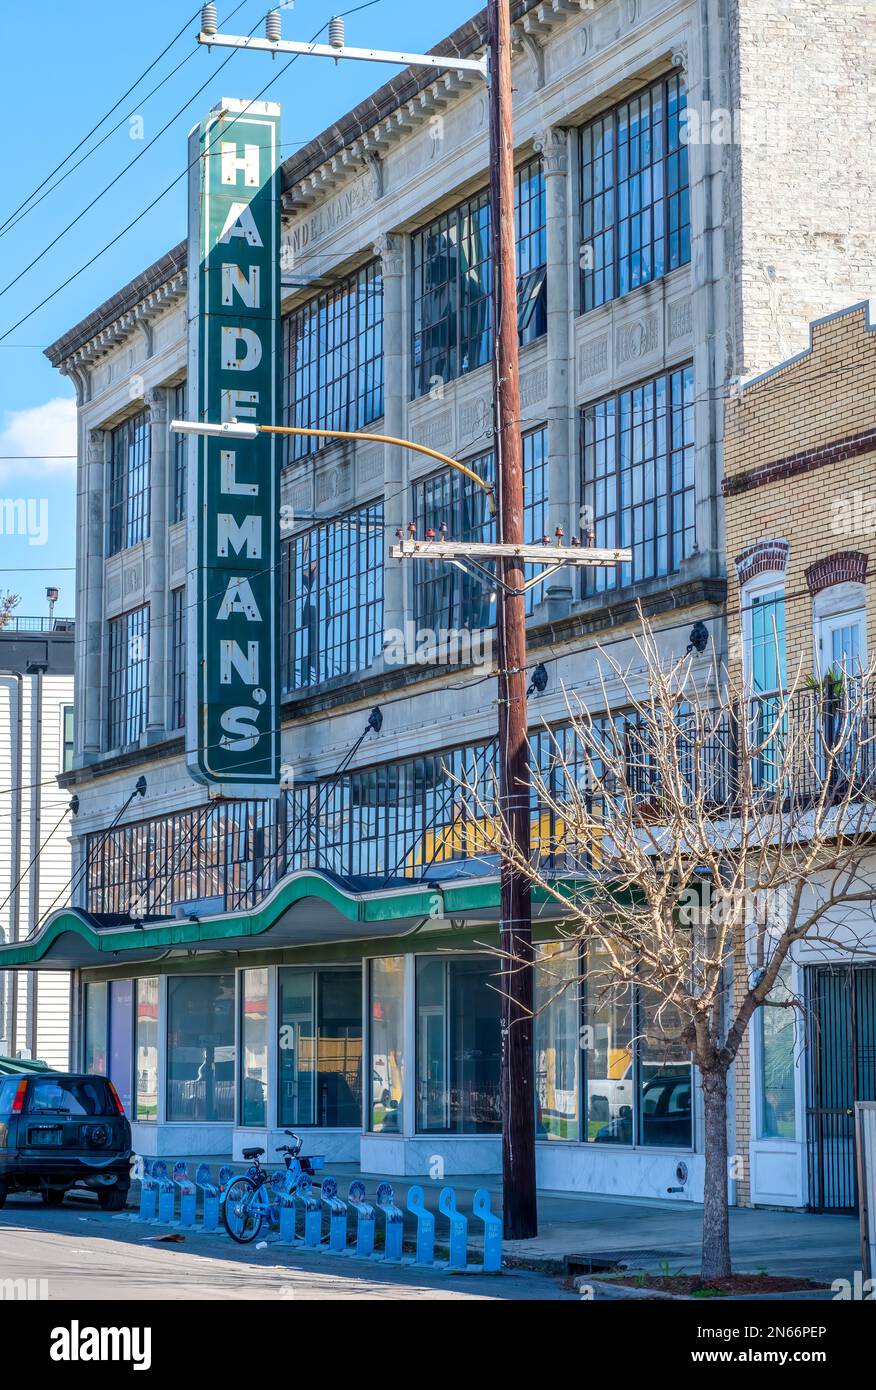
(515, 928)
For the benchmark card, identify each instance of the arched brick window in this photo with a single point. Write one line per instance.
(843, 567)
(764, 557)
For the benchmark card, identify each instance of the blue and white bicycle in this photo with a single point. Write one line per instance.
(249, 1201)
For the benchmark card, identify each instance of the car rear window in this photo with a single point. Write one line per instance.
(69, 1096)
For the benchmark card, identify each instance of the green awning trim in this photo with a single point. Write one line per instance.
(458, 899)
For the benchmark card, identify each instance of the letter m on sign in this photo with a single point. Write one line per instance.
(232, 645)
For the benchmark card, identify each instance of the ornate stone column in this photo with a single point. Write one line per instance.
(390, 249)
(553, 146)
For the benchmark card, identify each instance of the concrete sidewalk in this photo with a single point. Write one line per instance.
(582, 1233)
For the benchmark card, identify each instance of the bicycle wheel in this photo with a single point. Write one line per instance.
(241, 1212)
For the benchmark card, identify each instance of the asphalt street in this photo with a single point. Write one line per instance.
(83, 1253)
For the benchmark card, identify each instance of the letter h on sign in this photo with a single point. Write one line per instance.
(232, 695)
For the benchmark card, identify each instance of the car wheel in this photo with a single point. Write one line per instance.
(4, 1188)
(53, 1196)
(113, 1198)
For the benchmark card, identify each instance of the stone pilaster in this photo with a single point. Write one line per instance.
(159, 606)
(92, 501)
(390, 250)
(553, 146)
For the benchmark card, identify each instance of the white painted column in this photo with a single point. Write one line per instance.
(553, 146)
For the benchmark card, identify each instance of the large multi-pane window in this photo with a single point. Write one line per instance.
(386, 1055)
(178, 658)
(128, 703)
(320, 1053)
(444, 596)
(333, 360)
(635, 199)
(458, 1045)
(638, 477)
(200, 1048)
(632, 1083)
(333, 598)
(452, 283)
(95, 1042)
(254, 1047)
(129, 482)
(180, 447)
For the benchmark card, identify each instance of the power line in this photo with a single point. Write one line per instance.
(117, 126)
(14, 214)
(114, 181)
(96, 256)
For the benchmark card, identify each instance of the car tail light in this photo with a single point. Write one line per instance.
(115, 1095)
(18, 1098)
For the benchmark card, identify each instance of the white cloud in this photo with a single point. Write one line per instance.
(39, 433)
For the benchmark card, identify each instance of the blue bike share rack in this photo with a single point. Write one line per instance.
(425, 1226)
(337, 1213)
(210, 1196)
(188, 1193)
(291, 1188)
(395, 1218)
(458, 1229)
(164, 1184)
(312, 1212)
(148, 1189)
(364, 1219)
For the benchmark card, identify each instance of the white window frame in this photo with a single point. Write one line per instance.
(766, 583)
(838, 605)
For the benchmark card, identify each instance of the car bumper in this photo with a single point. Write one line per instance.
(35, 1171)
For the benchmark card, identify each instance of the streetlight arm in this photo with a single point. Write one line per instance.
(237, 429)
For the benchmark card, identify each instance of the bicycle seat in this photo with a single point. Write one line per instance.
(252, 1153)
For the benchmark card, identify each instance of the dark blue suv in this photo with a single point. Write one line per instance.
(60, 1130)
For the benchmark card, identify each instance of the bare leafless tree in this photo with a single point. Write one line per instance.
(689, 842)
(8, 602)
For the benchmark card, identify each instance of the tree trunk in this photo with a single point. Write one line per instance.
(716, 1214)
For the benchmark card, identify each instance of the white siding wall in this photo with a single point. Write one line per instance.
(42, 807)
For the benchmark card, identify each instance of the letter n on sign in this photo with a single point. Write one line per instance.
(233, 584)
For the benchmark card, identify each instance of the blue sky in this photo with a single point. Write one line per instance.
(65, 65)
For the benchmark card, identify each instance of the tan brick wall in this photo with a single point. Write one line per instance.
(826, 396)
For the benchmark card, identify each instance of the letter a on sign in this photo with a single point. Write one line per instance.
(233, 584)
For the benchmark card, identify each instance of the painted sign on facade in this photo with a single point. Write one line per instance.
(233, 696)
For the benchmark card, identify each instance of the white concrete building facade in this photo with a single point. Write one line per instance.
(319, 962)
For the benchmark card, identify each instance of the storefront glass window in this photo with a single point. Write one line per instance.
(200, 1048)
(254, 1048)
(666, 1087)
(387, 1059)
(320, 1048)
(95, 1029)
(608, 1053)
(777, 1118)
(458, 1046)
(146, 1049)
(557, 1042)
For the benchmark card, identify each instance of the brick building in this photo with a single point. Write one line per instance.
(800, 516)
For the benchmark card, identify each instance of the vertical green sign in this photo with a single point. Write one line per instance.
(233, 685)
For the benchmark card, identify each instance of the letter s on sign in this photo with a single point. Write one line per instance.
(239, 721)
